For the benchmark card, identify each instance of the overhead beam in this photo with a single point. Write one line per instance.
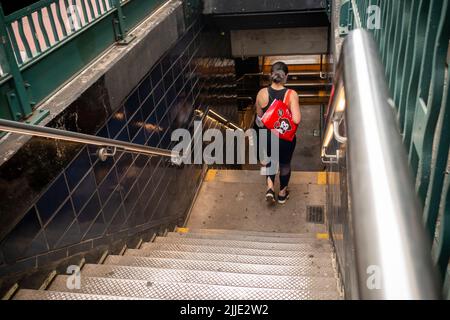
(246, 6)
(284, 41)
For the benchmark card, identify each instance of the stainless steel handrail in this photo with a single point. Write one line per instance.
(389, 237)
(218, 117)
(103, 143)
(52, 133)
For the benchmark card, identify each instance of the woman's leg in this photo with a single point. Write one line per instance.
(270, 179)
(285, 176)
(267, 161)
(286, 152)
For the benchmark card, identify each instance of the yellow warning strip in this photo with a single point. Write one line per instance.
(210, 175)
(182, 230)
(322, 178)
(322, 236)
(326, 236)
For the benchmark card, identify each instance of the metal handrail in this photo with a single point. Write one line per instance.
(52, 133)
(218, 117)
(388, 233)
(103, 143)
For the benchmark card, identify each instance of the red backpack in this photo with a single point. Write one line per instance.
(278, 118)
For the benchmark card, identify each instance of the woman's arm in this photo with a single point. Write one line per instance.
(295, 108)
(261, 101)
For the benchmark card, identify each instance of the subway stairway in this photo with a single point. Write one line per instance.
(206, 264)
(200, 262)
(94, 204)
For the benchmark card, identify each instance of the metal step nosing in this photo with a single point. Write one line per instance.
(29, 294)
(310, 270)
(157, 290)
(241, 237)
(211, 277)
(250, 233)
(249, 244)
(244, 259)
(232, 250)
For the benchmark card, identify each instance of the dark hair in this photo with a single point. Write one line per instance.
(279, 72)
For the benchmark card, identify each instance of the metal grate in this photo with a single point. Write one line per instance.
(315, 214)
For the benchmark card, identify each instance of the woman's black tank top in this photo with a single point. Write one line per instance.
(274, 94)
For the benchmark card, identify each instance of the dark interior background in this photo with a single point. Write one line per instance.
(9, 6)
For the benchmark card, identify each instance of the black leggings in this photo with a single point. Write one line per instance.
(286, 151)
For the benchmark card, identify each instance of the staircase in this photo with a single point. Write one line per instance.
(207, 264)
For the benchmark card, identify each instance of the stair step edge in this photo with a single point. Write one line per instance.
(30, 294)
(211, 277)
(239, 237)
(316, 246)
(222, 257)
(156, 290)
(232, 250)
(231, 267)
(255, 233)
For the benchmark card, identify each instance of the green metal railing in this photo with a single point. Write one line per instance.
(50, 23)
(3, 64)
(413, 38)
(45, 44)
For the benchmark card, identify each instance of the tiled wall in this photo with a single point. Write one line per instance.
(90, 201)
(218, 83)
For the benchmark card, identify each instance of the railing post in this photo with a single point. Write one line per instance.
(120, 27)
(18, 100)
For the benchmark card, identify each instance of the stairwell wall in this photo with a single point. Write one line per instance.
(59, 203)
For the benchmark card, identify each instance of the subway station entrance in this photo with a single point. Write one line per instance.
(95, 204)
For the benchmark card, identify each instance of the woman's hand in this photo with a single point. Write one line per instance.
(259, 122)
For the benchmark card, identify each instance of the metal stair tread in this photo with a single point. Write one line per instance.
(285, 261)
(211, 277)
(240, 237)
(29, 294)
(250, 233)
(319, 245)
(157, 290)
(232, 250)
(306, 269)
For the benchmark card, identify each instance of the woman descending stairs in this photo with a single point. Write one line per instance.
(211, 264)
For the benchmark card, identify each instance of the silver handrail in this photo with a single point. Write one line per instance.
(52, 133)
(218, 117)
(389, 237)
(103, 143)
